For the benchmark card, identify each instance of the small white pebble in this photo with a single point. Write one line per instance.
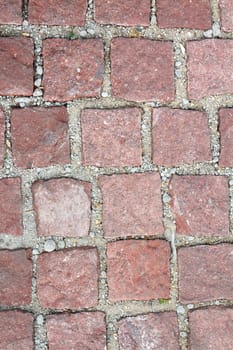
(83, 33)
(40, 320)
(39, 70)
(104, 94)
(49, 245)
(190, 306)
(61, 244)
(216, 29)
(91, 31)
(37, 93)
(181, 310)
(37, 82)
(208, 33)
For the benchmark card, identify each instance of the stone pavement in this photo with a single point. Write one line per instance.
(116, 179)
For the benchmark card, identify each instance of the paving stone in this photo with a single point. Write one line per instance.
(16, 330)
(57, 12)
(16, 56)
(138, 270)
(209, 67)
(131, 205)
(62, 207)
(200, 205)
(127, 13)
(185, 14)
(180, 137)
(226, 139)
(205, 273)
(72, 68)
(40, 136)
(152, 331)
(68, 278)
(226, 13)
(2, 137)
(111, 137)
(11, 207)
(142, 70)
(85, 330)
(11, 12)
(16, 275)
(211, 328)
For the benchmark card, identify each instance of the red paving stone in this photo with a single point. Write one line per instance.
(211, 328)
(131, 205)
(16, 330)
(2, 136)
(16, 56)
(138, 270)
(58, 12)
(128, 13)
(152, 331)
(205, 273)
(40, 136)
(68, 279)
(209, 67)
(62, 207)
(76, 331)
(180, 137)
(226, 140)
(200, 205)
(139, 63)
(11, 12)
(16, 275)
(111, 137)
(184, 14)
(226, 11)
(11, 207)
(72, 69)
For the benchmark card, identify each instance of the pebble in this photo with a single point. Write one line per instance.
(83, 33)
(178, 73)
(216, 29)
(39, 70)
(37, 93)
(181, 310)
(40, 320)
(38, 82)
(166, 198)
(49, 245)
(104, 94)
(61, 244)
(208, 33)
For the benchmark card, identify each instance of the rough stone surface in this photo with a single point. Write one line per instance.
(211, 328)
(85, 330)
(16, 330)
(200, 205)
(152, 331)
(2, 136)
(226, 136)
(180, 137)
(40, 136)
(138, 270)
(68, 278)
(16, 56)
(11, 207)
(226, 11)
(72, 68)
(15, 277)
(142, 70)
(11, 12)
(62, 207)
(209, 67)
(184, 14)
(205, 273)
(57, 12)
(111, 137)
(128, 13)
(131, 205)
